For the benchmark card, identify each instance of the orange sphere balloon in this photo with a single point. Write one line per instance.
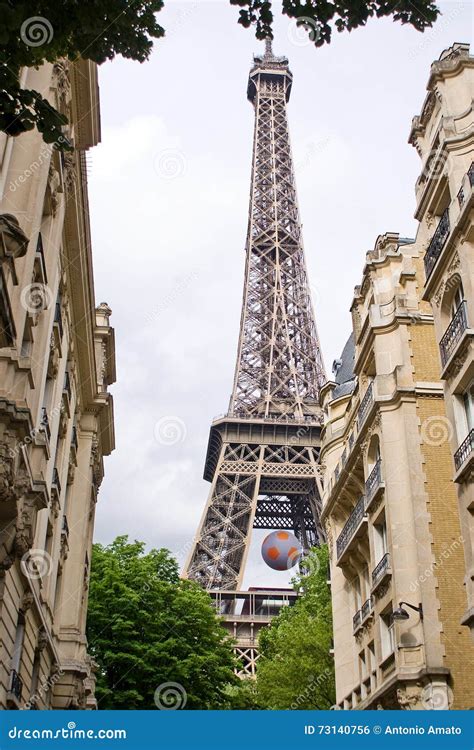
(281, 550)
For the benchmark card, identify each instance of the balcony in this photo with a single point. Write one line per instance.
(16, 685)
(65, 527)
(353, 529)
(44, 423)
(58, 321)
(374, 485)
(366, 610)
(470, 180)
(74, 441)
(437, 243)
(464, 453)
(381, 571)
(453, 334)
(357, 621)
(365, 405)
(66, 394)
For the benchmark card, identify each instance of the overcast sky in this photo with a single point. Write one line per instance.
(169, 188)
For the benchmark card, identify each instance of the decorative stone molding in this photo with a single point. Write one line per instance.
(26, 601)
(42, 640)
(329, 539)
(70, 175)
(54, 188)
(409, 697)
(62, 80)
(381, 590)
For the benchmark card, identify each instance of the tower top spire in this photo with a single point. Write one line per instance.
(268, 48)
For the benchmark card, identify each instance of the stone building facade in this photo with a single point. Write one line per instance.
(444, 137)
(57, 360)
(390, 506)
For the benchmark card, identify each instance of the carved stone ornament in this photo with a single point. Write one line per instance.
(327, 529)
(6, 564)
(26, 601)
(70, 175)
(25, 525)
(381, 590)
(42, 640)
(409, 697)
(62, 81)
(54, 185)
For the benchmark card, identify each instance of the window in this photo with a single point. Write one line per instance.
(458, 298)
(357, 595)
(387, 638)
(366, 579)
(19, 638)
(380, 540)
(468, 404)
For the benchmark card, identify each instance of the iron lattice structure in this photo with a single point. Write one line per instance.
(263, 456)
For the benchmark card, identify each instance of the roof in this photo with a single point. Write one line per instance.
(344, 370)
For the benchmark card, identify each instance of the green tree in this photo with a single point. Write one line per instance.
(33, 31)
(150, 631)
(320, 17)
(296, 670)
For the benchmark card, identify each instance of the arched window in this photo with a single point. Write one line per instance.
(457, 299)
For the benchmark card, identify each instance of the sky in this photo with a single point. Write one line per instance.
(169, 190)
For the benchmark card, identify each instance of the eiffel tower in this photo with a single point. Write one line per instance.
(262, 456)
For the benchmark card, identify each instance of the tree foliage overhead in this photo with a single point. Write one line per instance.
(155, 637)
(321, 16)
(295, 669)
(34, 31)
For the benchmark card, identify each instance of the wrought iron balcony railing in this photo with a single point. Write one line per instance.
(74, 442)
(56, 483)
(380, 569)
(470, 174)
(464, 451)
(453, 333)
(437, 243)
(366, 609)
(67, 384)
(45, 422)
(373, 482)
(16, 684)
(350, 527)
(58, 318)
(40, 257)
(65, 527)
(365, 405)
(357, 621)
